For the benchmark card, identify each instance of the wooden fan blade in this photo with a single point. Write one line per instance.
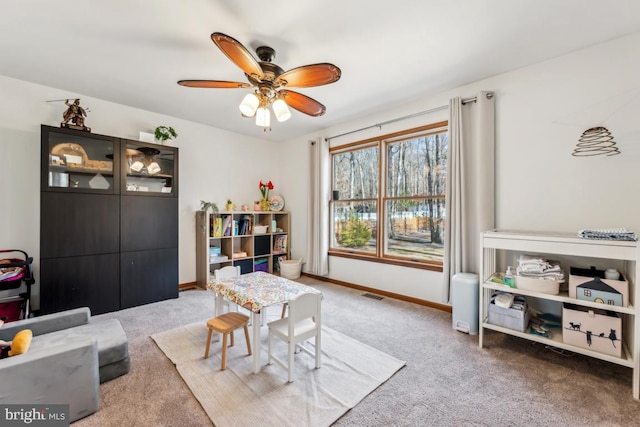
(213, 84)
(309, 75)
(238, 54)
(302, 103)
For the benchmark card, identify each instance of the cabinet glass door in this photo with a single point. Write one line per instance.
(77, 161)
(150, 168)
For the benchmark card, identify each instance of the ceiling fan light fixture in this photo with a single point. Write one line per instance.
(271, 83)
(263, 117)
(249, 105)
(281, 110)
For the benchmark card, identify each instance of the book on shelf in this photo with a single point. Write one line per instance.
(239, 255)
(216, 229)
(216, 259)
(214, 250)
(245, 224)
(226, 225)
(235, 227)
(280, 243)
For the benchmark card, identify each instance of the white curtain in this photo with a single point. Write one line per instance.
(470, 197)
(318, 209)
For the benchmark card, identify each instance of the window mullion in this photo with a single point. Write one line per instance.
(381, 230)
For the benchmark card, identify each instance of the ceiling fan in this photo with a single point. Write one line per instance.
(270, 82)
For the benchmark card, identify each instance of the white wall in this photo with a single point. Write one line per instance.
(541, 111)
(214, 164)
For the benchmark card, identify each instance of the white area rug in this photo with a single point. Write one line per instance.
(237, 397)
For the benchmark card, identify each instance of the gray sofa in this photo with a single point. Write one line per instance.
(68, 358)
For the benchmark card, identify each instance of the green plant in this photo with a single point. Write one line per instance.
(164, 133)
(229, 202)
(206, 206)
(356, 233)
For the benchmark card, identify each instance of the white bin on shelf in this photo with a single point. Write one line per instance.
(291, 268)
(465, 290)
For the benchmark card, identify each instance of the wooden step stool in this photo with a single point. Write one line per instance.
(226, 324)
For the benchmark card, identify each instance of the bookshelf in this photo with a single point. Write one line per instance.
(254, 240)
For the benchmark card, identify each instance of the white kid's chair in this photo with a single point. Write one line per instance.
(302, 323)
(225, 273)
(234, 271)
(228, 271)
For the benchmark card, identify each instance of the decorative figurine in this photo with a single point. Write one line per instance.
(74, 114)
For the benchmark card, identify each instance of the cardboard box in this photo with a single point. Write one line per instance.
(510, 317)
(583, 286)
(592, 328)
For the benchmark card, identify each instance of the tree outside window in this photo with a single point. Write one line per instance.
(415, 197)
(401, 180)
(355, 177)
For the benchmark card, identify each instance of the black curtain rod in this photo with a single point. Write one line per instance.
(410, 116)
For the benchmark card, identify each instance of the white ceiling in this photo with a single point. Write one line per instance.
(133, 52)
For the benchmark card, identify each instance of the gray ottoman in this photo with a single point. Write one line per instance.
(113, 346)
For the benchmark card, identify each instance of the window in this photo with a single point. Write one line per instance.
(389, 197)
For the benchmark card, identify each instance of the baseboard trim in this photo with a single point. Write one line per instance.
(438, 306)
(186, 286)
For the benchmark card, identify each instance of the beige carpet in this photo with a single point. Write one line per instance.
(237, 397)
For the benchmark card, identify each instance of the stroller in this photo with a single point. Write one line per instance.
(15, 270)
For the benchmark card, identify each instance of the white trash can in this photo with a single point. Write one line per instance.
(465, 291)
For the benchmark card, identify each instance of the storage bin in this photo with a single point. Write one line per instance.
(592, 328)
(261, 245)
(261, 264)
(290, 268)
(260, 229)
(582, 285)
(545, 286)
(511, 318)
(246, 265)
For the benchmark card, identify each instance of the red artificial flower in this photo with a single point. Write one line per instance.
(264, 189)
